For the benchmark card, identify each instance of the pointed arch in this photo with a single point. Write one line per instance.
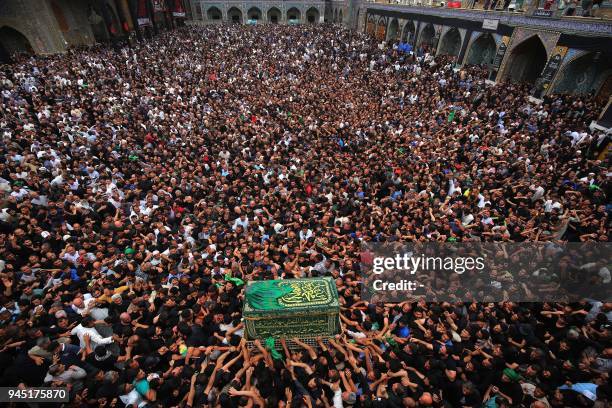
(214, 14)
(482, 50)
(427, 35)
(13, 41)
(254, 13)
(451, 42)
(371, 25)
(274, 15)
(381, 29)
(408, 32)
(526, 61)
(585, 73)
(312, 15)
(234, 15)
(393, 30)
(294, 14)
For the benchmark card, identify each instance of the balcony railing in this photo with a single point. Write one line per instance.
(537, 8)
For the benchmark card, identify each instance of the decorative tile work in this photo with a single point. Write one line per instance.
(555, 24)
(520, 34)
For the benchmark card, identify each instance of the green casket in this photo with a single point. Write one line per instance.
(302, 308)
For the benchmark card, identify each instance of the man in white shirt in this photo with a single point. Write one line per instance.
(305, 233)
(87, 328)
(243, 221)
(83, 305)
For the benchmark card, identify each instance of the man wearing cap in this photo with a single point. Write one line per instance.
(507, 386)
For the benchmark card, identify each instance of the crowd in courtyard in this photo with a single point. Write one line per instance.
(143, 186)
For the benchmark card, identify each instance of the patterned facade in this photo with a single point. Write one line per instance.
(267, 12)
(556, 54)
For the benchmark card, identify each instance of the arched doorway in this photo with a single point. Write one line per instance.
(234, 15)
(335, 16)
(340, 19)
(11, 42)
(254, 14)
(427, 35)
(371, 25)
(584, 74)
(294, 15)
(451, 43)
(381, 29)
(214, 14)
(408, 33)
(393, 30)
(312, 15)
(526, 61)
(274, 15)
(482, 50)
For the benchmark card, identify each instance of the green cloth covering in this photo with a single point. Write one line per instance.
(451, 116)
(235, 281)
(270, 346)
(302, 308)
(265, 295)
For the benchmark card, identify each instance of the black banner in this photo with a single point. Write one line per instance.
(551, 68)
(499, 57)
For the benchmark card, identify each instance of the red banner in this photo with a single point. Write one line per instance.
(143, 13)
(178, 10)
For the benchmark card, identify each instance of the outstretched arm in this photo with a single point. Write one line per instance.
(311, 351)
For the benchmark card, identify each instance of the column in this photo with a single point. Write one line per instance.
(464, 47)
(124, 10)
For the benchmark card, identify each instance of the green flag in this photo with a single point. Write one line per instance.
(235, 281)
(270, 346)
(451, 116)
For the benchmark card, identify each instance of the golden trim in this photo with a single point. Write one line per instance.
(289, 316)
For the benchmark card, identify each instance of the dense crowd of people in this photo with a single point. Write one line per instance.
(143, 186)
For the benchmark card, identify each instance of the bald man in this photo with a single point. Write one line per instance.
(426, 399)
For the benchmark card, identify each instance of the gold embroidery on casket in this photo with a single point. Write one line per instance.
(306, 293)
